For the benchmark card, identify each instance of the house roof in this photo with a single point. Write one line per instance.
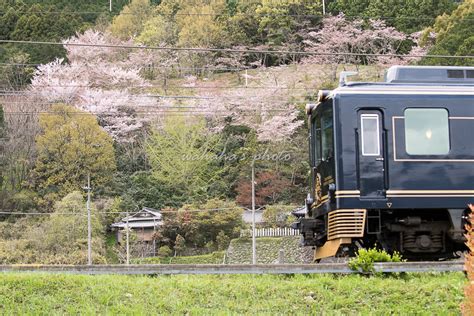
(137, 224)
(146, 217)
(145, 213)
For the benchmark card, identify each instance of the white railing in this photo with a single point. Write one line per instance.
(270, 232)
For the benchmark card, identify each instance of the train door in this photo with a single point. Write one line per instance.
(323, 172)
(371, 155)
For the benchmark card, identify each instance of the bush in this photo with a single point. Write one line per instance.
(223, 241)
(199, 229)
(364, 261)
(278, 215)
(164, 251)
(468, 306)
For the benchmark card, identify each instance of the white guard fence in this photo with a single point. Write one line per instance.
(270, 232)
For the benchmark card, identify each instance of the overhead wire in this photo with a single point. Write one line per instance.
(240, 14)
(231, 50)
(172, 111)
(162, 87)
(5, 64)
(250, 98)
(222, 209)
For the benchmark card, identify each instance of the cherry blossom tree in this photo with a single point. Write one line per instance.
(100, 80)
(339, 35)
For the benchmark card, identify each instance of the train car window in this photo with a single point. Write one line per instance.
(427, 131)
(455, 73)
(312, 137)
(317, 140)
(327, 135)
(370, 134)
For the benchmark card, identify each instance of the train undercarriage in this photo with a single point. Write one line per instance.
(415, 234)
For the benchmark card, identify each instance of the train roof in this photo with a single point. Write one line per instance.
(430, 74)
(390, 88)
(420, 80)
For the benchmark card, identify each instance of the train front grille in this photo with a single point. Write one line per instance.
(346, 223)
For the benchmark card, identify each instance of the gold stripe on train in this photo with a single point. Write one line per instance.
(430, 191)
(347, 196)
(344, 192)
(431, 195)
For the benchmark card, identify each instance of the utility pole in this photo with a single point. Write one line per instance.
(89, 226)
(128, 242)
(254, 246)
(324, 8)
(110, 5)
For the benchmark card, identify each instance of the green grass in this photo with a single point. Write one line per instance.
(55, 294)
(212, 258)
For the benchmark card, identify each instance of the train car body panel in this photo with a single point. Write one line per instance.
(402, 150)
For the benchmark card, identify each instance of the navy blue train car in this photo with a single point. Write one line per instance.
(392, 164)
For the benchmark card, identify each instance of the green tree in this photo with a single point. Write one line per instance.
(279, 21)
(61, 238)
(161, 28)
(179, 244)
(215, 216)
(222, 241)
(454, 36)
(71, 145)
(129, 23)
(241, 24)
(164, 251)
(18, 73)
(48, 20)
(201, 223)
(64, 238)
(278, 215)
(401, 14)
(205, 31)
(181, 156)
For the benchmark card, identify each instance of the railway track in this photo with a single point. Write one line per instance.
(155, 269)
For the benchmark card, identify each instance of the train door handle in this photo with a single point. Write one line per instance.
(379, 159)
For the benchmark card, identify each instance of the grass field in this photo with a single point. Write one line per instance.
(53, 294)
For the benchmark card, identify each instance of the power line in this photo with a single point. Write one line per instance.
(121, 100)
(239, 14)
(134, 106)
(228, 50)
(161, 87)
(230, 99)
(168, 112)
(131, 96)
(145, 67)
(223, 209)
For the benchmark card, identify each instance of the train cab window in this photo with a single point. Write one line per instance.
(317, 140)
(327, 134)
(370, 134)
(426, 131)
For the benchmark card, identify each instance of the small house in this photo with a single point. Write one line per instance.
(144, 224)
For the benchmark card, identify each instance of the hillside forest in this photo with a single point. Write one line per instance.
(168, 104)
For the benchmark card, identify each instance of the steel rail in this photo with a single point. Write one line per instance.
(156, 269)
